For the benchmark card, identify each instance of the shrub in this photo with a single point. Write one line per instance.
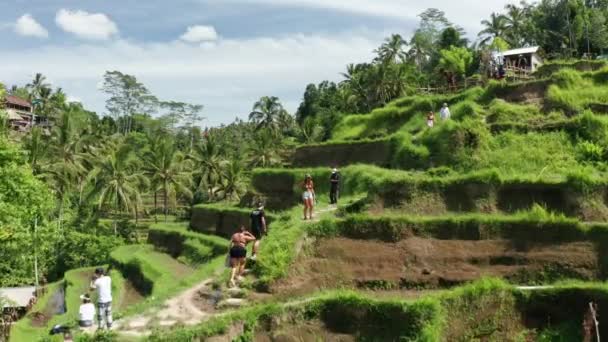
(588, 151)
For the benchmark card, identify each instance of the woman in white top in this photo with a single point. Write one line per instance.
(86, 312)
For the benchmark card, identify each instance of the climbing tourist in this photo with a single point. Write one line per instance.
(103, 284)
(334, 188)
(258, 228)
(430, 119)
(86, 312)
(238, 253)
(308, 196)
(445, 114)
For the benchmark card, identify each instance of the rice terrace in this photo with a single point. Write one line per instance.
(404, 173)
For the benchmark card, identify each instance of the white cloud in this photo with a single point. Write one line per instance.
(26, 25)
(94, 26)
(227, 76)
(199, 33)
(466, 13)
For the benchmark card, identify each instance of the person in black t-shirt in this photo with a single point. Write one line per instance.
(258, 227)
(334, 180)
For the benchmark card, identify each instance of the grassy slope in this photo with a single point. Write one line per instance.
(168, 275)
(77, 282)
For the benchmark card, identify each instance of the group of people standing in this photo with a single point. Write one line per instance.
(238, 242)
(444, 114)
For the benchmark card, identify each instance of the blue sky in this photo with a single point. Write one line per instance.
(224, 54)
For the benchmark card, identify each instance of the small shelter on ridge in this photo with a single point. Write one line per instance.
(526, 58)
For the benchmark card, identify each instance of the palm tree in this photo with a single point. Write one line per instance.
(208, 159)
(167, 169)
(37, 147)
(266, 113)
(66, 164)
(391, 51)
(232, 184)
(264, 151)
(38, 83)
(495, 27)
(514, 22)
(117, 181)
(310, 131)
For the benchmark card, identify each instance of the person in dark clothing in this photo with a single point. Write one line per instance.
(258, 227)
(334, 189)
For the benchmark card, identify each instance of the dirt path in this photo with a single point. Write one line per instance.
(180, 309)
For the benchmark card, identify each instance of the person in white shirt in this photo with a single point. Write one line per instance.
(103, 284)
(445, 112)
(86, 313)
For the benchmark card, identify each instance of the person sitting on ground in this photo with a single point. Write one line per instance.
(238, 253)
(258, 228)
(308, 196)
(86, 312)
(430, 119)
(103, 284)
(445, 114)
(334, 188)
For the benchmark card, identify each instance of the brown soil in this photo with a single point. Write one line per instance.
(307, 331)
(205, 299)
(39, 319)
(431, 263)
(130, 295)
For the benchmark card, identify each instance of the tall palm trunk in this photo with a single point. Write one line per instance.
(155, 206)
(165, 199)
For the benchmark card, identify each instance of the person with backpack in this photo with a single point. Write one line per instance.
(334, 188)
(103, 284)
(258, 228)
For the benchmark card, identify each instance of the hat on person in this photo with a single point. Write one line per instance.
(99, 270)
(85, 297)
(445, 104)
(260, 205)
(334, 170)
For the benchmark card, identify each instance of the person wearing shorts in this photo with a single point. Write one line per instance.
(238, 253)
(308, 197)
(258, 228)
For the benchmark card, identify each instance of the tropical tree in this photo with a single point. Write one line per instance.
(266, 113)
(37, 86)
(37, 146)
(232, 183)
(310, 131)
(264, 152)
(118, 180)
(168, 170)
(454, 62)
(208, 162)
(495, 27)
(392, 50)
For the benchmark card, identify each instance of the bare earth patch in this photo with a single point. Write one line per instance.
(432, 263)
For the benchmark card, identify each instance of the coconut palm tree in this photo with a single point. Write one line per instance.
(232, 184)
(392, 50)
(37, 85)
(37, 146)
(208, 161)
(264, 151)
(168, 170)
(117, 181)
(495, 27)
(514, 23)
(66, 164)
(266, 113)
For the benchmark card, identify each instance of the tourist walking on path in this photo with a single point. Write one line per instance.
(86, 312)
(430, 119)
(445, 114)
(238, 253)
(334, 189)
(308, 197)
(103, 284)
(258, 228)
